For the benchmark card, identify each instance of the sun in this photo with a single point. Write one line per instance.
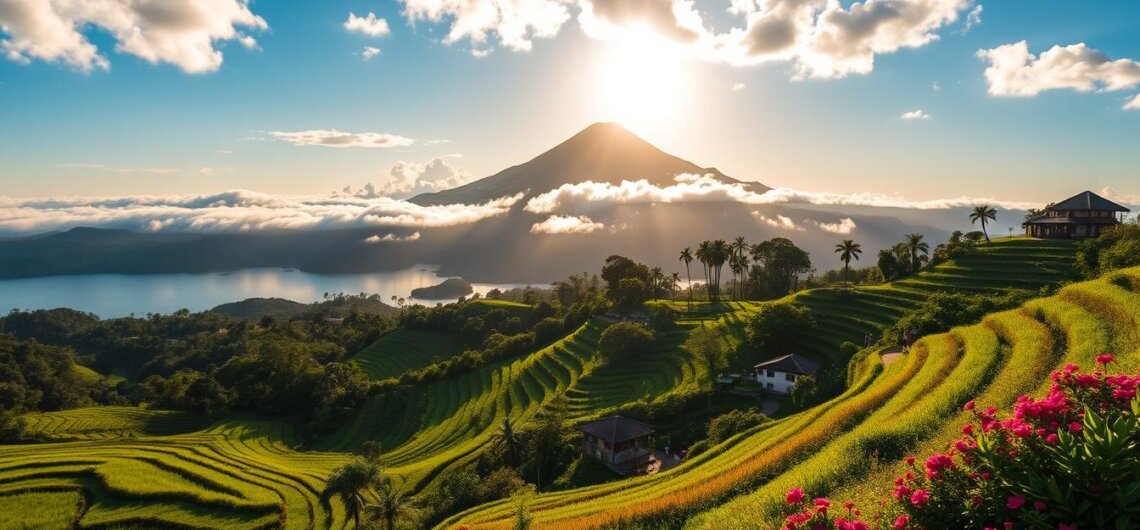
(642, 81)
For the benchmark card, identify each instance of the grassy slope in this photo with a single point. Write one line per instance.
(245, 472)
(403, 350)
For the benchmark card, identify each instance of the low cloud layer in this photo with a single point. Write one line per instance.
(1015, 72)
(183, 33)
(566, 224)
(392, 238)
(335, 138)
(820, 38)
(691, 188)
(408, 179)
(235, 211)
(842, 226)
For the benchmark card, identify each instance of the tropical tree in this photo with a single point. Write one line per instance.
(721, 252)
(847, 250)
(351, 483)
(674, 283)
(915, 246)
(687, 258)
(983, 213)
(657, 281)
(507, 438)
(391, 503)
(738, 248)
(705, 256)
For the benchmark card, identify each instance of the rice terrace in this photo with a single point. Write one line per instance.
(454, 265)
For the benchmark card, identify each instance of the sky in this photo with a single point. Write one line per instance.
(1018, 100)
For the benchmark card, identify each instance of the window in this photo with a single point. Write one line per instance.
(790, 377)
(771, 373)
(771, 386)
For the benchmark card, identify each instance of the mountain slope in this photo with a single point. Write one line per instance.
(602, 152)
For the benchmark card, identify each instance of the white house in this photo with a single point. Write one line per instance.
(779, 374)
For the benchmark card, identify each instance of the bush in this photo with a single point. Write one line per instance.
(625, 340)
(731, 423)
(1068, 460)
(776, 327)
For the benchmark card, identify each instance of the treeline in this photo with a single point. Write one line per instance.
(204, 363)
(1117, 248)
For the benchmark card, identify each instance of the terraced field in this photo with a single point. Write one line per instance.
(890, 411)
(132, 467)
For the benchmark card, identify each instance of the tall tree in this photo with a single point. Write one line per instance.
(705, 256)
(983, 213)
(779, 265)
(738, 248)
(915, 246)
(656, 281)
(674, 283)
(687, 258)
(721, 253)
(847, 250)
(508, 438)
(390, 503)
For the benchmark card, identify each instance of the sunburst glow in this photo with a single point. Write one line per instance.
(642, 81)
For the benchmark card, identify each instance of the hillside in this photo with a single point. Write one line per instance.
(602, 152)
(244, 472)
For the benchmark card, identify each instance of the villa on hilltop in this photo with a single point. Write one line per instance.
(1083, 215)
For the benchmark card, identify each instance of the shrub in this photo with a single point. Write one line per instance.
(728, 424)
(625, 340)
(776, 327)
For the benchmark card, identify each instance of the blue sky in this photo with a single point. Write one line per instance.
(142, 127)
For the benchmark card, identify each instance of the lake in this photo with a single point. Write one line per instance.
(117, 295)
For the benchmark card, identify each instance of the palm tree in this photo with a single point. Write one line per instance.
(705, 256)
(391, 503)
(902, 255)
(738, 247)
(507, 437)
(721, 253)
(687, 257)
(657, 281)
(983, 213)
(914, 245)
(674, 281)
(739, 264)
(351, 483)
(848, 249)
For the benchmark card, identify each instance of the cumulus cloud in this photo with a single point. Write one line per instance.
(407, 179)
(973, 18)
(778, 221)
(1133, 104)
(392, 238)
(179, 32)
(370, 25)
(513, 23)
(690, 188)
(335, 138)
(369, 52)
(566, 224)
(1015, 72)
(843, 226)
(917, 114)
(822, 38)
(236, 211)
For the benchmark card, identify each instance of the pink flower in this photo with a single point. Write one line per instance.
(1008, 525)
(795, 496)
(968, 429)
(1075, 427)
(910, 460)
(1052, 439)
(1105, 358)
(902, 521)
(1015, 502)
(969, 405)
(919, 497)
(1039, 506)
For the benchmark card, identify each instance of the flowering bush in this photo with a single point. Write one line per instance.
(1067, 461)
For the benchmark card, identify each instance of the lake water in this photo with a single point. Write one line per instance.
(116, 295)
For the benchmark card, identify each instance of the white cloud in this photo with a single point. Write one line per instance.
(565, 224)
(1132, 199)
(513, 23)
(822, 38)
(778, 221)
(125, 170)
(693, 188)
(843, 226)
(235, 211)
(369, 52)
(335, 138)
(392, 238)
(370, 25)
(915, 115)
(1014, 71)
(1133, 104)
(206, 171)
(737, 87)
(973, 18)
(178, 32)
(407, 179)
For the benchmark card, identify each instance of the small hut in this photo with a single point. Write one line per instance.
(622, 444)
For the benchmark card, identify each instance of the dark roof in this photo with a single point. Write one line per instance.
(1088, 201)
(791, 364)
(1046, 220)
(616, 429)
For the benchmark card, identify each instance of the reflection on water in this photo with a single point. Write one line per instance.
(115, 295)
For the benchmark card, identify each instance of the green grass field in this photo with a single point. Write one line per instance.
(125, 467)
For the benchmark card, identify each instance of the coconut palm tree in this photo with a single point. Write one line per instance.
(687, 258)
(848, 249)
(914, 246)
(390, 505)
(351, 483)
(508, 438)
(739, 265)
(705, 256)
(721, 253)
(738, 247)
(983, 213)
(656, 281)
(674, 282)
